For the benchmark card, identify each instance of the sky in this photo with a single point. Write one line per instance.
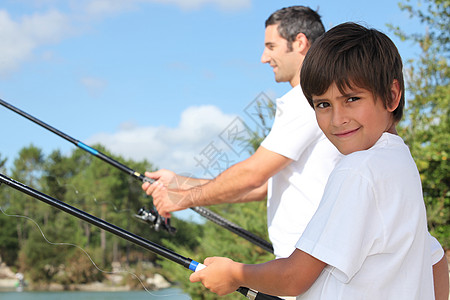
(170, 81)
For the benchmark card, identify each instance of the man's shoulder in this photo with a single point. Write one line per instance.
(296, 91)
(295, 102)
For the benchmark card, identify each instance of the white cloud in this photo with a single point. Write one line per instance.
(18, 39)
(170, 148)
(106, 7)
(102, 7)
(195, 4)
(94, 86)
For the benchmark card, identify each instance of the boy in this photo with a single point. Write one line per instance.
(368, 238)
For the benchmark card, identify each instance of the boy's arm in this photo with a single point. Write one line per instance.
(290, 276)
(441, 279)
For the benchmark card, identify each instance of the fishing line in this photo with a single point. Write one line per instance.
(81, 196)
(83, 250)
(120, 232)
(210, 215)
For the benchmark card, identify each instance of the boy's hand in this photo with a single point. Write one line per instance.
(218, 276)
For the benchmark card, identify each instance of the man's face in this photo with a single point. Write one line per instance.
(285, 62)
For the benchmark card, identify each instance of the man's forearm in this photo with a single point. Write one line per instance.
(186, 182)
(235, 183)
(228, 187)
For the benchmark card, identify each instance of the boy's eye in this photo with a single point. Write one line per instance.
(353, 99)
(322, 104)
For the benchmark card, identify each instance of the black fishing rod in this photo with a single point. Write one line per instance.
(208, 214)
(120, 232)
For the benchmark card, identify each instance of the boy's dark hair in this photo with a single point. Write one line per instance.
(294, 20)
(352, 55)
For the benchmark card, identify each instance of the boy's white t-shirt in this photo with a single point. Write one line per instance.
(294, 193)
(371, 229)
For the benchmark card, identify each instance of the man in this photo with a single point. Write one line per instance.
(294, 161)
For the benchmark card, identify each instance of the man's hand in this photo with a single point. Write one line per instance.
(166, 192)
(163, 176)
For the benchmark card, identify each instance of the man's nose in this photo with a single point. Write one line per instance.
(265, 58)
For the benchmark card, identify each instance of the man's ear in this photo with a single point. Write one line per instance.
(301, 43)
(396, 95)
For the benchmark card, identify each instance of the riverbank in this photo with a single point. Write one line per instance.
(113, 282)
(166, 294)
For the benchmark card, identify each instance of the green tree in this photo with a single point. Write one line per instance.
(26, 169)
(59, 259)
(9, 245)
(2, 163)
(426, 126)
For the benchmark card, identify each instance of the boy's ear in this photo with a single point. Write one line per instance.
(396, 95)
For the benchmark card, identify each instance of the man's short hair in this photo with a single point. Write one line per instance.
(353, 55)
(294, 20)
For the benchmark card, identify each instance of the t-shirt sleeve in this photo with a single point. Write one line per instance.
(340, 233)
(437, 252)
(292, 133)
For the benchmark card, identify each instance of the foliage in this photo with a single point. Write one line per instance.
(426, 126)
(44, 242)
(9, 245)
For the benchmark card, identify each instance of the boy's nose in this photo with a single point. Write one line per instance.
(339, 117)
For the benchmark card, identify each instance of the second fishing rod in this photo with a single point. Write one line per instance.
(206, 213)
(122, 233)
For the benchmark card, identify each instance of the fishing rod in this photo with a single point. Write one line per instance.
(120, 232)
(160, 221)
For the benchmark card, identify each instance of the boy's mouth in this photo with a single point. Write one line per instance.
(346, 133)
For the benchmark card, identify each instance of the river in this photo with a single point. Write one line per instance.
(166, 294)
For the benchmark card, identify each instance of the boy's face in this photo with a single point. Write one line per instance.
(353, 121)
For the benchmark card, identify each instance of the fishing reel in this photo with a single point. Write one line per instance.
(152, 217)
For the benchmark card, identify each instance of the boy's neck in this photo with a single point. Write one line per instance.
(392, 130)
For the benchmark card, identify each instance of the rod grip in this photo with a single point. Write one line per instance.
(196, 266)
(249, 293)
(254, 295)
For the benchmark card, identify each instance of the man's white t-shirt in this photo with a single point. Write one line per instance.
(371, 229)
(295, 192)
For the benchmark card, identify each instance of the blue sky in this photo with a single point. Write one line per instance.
(150, 79)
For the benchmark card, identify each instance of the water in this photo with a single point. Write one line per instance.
(166, 294)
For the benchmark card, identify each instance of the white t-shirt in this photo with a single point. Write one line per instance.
(371, 229)
(295, 192)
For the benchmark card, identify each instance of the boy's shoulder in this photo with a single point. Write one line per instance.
(389, 152)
